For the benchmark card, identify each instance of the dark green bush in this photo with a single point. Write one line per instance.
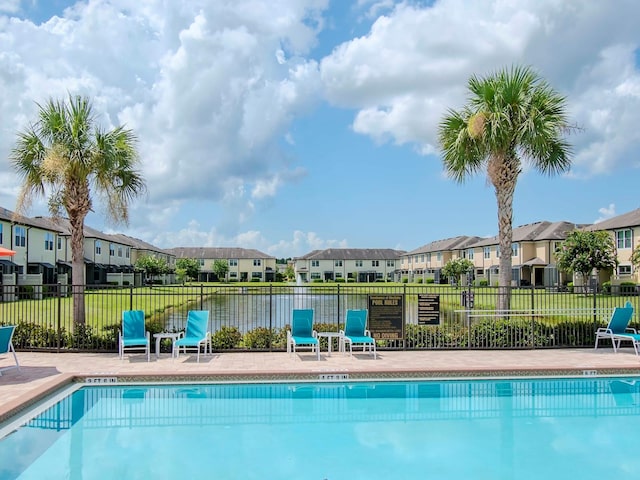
(260, 338)
(226, 338)
(430, 280)
(606, 288)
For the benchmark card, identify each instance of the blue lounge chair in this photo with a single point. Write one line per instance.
(618, 328)
(302, 334)
(132, 335)
(355, 332)
(6, 345)
(196, 334)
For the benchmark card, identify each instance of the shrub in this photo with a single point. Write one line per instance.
(419, 280)
(570, 287)
(226, 338)
(482, 283)
(606, 287)
(259, 337)
(430, 280)
(405, 280)
(340, 280)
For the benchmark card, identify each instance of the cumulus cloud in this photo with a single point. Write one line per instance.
(606, 212)
(415, 61)
(210, 88)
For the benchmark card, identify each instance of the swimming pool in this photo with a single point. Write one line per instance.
(583, 428)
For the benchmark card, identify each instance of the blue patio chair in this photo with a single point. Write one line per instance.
(196, 334)
(618, 330)
(355, 332)
(6, 345)
(132, 335)
(302, 334)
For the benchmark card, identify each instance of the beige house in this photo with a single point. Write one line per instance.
(532, 255)
(360, 264)
(625, 230)
(427, 261)
(244, 264)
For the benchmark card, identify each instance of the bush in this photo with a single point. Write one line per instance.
(405, 280)
(627, 287)
(606, 288)
(430, 280)
(570, 287)
(226, 338)
(339, 280)
(260, 337)
(419, 280)
(482, 283)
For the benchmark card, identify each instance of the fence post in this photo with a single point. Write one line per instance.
(595, 303)
(130, 297)
(338, 315)
(404, 316)
(271, 314)
(59, 316)
(533, 309)
(201, 296)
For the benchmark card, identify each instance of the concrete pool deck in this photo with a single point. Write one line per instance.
(43, 373)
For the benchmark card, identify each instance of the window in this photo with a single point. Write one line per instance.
(422, 258)
(127, 252)
(497, 251)
(256, 274)
(439, 256)
(359, 263)
(390, 263)
(470, 254)
(21, 237)
(257, 262)
(315, 263)
(375, 263)
(338, 263)
(233, 274)
(112, 250)
(624, 269)
(415, 259)
(98, 247)
(428, 257)
(315, 275)
(623, 238)
(48, 241)
(120, 251)
(233, 262)
(514, 249)
(338, 274)
(487, 252)
(59, 242)
(201, 262)
(0, 233)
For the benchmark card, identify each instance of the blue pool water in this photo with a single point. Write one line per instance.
(502, 429)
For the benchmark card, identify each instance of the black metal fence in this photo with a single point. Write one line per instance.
(256, 316)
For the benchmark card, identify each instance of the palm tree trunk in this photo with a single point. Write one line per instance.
(77, 269)
(504, 175)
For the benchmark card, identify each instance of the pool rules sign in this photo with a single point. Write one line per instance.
(386, 317)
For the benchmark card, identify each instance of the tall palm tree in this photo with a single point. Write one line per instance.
(66, 156)
(512, 117)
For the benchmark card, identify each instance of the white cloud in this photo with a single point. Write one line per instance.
(415, 62)
(198, 82)
(606, 212)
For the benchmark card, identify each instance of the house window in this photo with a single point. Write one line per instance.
(59, 243)
(624, 269)
(439, 256)
(48, 241)
(127, 252)
(487, 252)
(233, 274)
(514, 249)
(315, 263)
(256, 274)
(390, 263)
(358, 263)
(470, 254)
(315, 275)
(257, 262)
(497, 251)
(623, 238)
(428, 257)
(201, 262)
(98, 247)
(112, 250)
(21, 237)
(233, 262)
(120, 251)
(415, 259)
(422, 258)
(0, 233)
(338, 263)
(375, 263)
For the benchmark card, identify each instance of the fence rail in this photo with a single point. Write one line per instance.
(256, 316)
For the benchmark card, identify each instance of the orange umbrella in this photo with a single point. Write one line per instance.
(5, 252)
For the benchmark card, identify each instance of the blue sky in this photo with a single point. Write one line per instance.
(294, 125)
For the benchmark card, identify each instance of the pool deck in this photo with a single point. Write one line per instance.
(42, 373)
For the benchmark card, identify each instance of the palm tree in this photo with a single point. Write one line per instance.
(66, 156)
(512, 117)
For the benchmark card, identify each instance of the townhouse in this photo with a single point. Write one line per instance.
(426, 262)
(625, 230)
(359, 264)
(244, 264)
